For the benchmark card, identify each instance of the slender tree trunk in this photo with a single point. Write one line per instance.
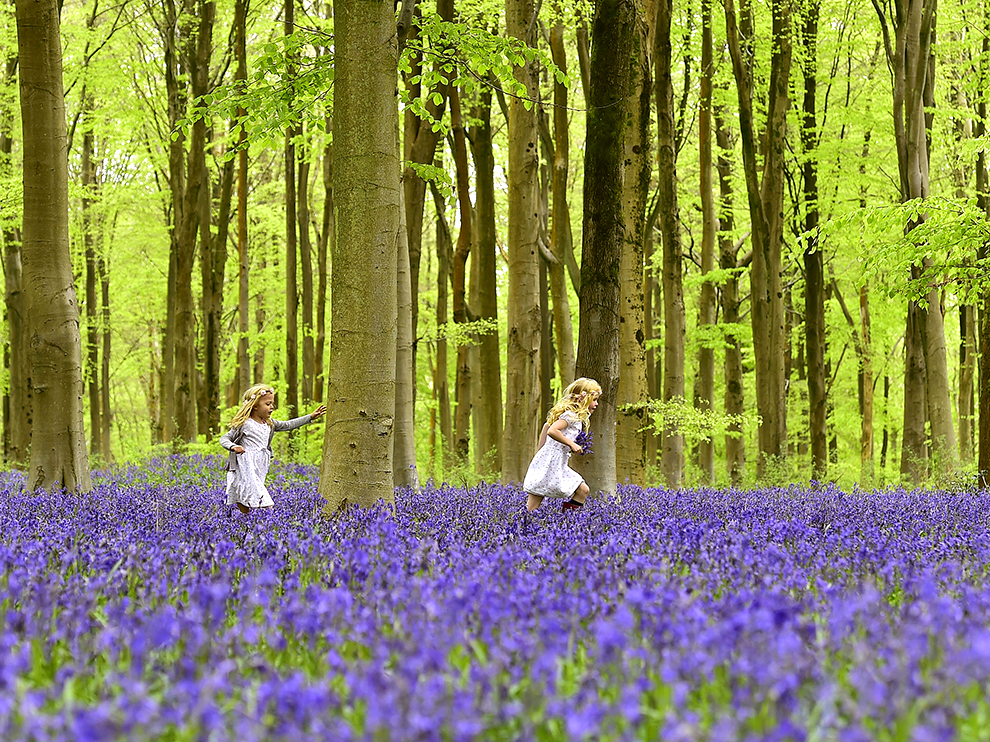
(704, 393)
(983, 319)
(89, 185)
(488, 436)
(866, 388)
(357, 445)
(404, 471)
(441, 384)
(735, 444)
(630, 430)
(522, 408)
(243, 262)
(306, 270)
(560, 216)
(293, 132)
(814, 268)
(324, 250)
(461, 253)
(672, 456)
(765, 197)
(213, 264)
(604, 227)
(58, 441)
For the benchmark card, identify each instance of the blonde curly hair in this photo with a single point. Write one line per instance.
(577, 398)
(250, 399)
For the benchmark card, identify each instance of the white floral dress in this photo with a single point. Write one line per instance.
(246, 483)
(549, 475)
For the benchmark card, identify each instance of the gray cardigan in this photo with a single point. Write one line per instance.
(233, 436)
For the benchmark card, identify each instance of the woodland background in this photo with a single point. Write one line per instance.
(802, 204)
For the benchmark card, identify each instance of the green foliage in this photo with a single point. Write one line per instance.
(677, 416)
(461, 333)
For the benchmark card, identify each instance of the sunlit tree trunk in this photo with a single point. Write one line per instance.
(604, 226)
(462, 252)
(323, 253)
(704, 391)
(243, 262)
(357, 444)
(17, 398)
(560, 217)
(672, 443)
(293, 132)
(522, 404)
(735, 444)
(404, 471)
(306, 271)
(58, 441)
(765, 196)
(488, 435)
(630, 429)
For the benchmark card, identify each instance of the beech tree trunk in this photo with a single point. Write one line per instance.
(912, 62)
(404, 471)
(58, 442)
(441, 386)
(306, 271)
(672, 444)
(814, 268)
(357, 444)
(488, 435)
(243, 261)
(323, 253)
(291, 244)
(630, 429)
(522, 404)
(765, 197)
(704, 391)
(17, 398)
(735, 444)
(604, 225)
(462, 251)
(560, 217)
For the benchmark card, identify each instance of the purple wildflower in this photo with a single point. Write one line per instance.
(585, 440)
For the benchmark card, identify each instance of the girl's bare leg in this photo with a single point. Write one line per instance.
(581, 493)
(533, 502)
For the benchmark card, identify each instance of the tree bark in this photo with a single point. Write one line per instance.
(306, 271)
(630, 429)
(488, 435)
(323, 253)
(293, 132)
(522, 405)
(357, 445)
(704, 392)
(243, 262)
(441, 385)
(604, 226)
(814, 268)
(404, 471)
(58, 442)
(560, 217)
(462, 251)
(735, 444)
(672, 444)
(765, 196)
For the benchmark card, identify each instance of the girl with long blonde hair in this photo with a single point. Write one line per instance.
(548, 474)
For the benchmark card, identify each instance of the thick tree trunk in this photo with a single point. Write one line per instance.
(488, 435)
(630, 429)
(58, 441)
(672, 455)
(704, 392)
(560, 217)
(604, 227)
(765, 197)
(357, 444)
(522, 406)
(735, 444)
(814, 268)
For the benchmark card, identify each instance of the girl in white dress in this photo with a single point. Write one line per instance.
(549, 475)
(249, 441)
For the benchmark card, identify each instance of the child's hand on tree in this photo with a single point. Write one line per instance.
(318, 412)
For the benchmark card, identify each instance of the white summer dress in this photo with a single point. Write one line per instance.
(549, 475)
(246, 483)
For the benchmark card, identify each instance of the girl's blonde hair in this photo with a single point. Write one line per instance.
(250, 399)
(577, 398)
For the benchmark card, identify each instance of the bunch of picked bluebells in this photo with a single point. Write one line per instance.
(585, 440)
(142, 612)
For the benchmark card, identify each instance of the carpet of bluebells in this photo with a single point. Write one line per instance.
(143, 611)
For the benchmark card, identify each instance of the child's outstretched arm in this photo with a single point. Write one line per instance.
(318, 413)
